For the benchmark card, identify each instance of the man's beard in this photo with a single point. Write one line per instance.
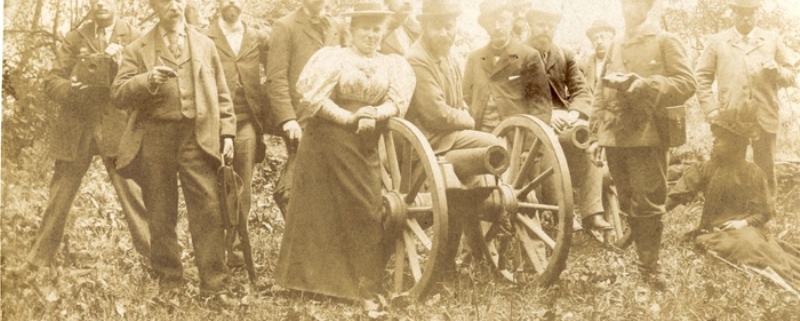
(231, 14)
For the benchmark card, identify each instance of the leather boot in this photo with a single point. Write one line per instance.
(646, 233)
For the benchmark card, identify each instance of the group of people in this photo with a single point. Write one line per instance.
(190, 101)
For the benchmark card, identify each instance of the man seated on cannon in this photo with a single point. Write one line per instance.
(438, 108)
(572, 105)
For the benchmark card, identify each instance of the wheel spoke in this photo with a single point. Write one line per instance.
(535, 182)
(419, 232)
(537, 206)
(527, 166)
(536, 228)
(385, 178)
(534, 249)
(391, 154)
(516, 155)
(411, 251)
(412, 194)
(399, 265)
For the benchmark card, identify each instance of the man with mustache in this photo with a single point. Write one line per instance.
(243, 51)
(403, 30)
(505, 77)
(647, 71)
(87, 125)
(750, 65)
(600, 34)
(572, 100)
(181, 125)
(295, 38)
(438, 108)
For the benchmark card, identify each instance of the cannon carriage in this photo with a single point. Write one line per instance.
(515, 200)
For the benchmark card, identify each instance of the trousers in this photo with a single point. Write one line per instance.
(170, 150)
(64, 188)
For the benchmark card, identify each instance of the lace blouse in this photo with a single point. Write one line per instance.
(336, 74)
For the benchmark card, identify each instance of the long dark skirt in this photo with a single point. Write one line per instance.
(333, 243)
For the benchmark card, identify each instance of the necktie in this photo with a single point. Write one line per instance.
(174, 45)
(101, 39)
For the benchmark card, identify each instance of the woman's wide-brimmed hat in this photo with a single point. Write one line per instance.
(368, 8)
(599, 26)
(432, 9)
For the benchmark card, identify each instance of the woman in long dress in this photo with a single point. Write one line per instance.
(334, 241)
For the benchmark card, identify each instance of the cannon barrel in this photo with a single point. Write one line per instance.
(478, 161)
(577, 135)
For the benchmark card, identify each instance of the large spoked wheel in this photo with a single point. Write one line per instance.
(415, 207)
(529, 239)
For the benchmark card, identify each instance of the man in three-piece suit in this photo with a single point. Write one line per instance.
(181, 124)
(295, 38)
(243, 50)
(87, 125)
(505, 77)
(750, 64)
(403, 29)
(572, 100)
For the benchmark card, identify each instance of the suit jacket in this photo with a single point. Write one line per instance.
(83, 119)
(243, 71)
(214, 110)
(589, 66)
(620, 119)
(294, 40)
(517, 82)
(737, 68)
(437, 107)
(567, 85)
(391, 45)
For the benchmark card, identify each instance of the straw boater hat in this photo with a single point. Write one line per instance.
(368, 8)
(600, 26)
(744, 4)
(433, 9)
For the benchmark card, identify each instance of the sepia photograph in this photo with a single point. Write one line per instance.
(400, 160)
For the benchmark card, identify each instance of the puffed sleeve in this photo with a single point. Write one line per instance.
(318, 79)
(401, 88)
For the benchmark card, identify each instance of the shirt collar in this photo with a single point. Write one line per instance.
(181, 30)
(231, 28)
(109, 29)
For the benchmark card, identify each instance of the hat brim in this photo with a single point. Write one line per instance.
(592, 31)
(428, 16)
(366, 13)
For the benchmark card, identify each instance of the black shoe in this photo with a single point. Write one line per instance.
(597, 222)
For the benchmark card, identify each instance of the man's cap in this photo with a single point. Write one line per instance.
(368, 8)
(599, 26)
(490, 8)
(744, 4)
(543, 9)
(433, 9)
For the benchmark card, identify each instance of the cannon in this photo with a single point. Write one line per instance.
(521, 193)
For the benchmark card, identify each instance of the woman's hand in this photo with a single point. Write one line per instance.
(364, 118)
(734, 225)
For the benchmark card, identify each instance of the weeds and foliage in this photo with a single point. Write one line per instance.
(100, 276)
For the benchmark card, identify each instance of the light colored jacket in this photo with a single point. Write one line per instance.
(737, 68)
(212, 100)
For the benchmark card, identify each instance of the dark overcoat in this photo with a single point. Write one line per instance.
(83, 119)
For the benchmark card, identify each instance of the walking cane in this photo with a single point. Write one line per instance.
(229, 188)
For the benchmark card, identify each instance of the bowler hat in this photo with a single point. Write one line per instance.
(439, 8)
(599, 26)
(744, 4)
(367, 8)
(543, 9)
(490, 8)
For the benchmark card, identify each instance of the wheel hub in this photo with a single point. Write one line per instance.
(395, 211)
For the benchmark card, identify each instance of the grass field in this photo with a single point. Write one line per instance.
(100, 276)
